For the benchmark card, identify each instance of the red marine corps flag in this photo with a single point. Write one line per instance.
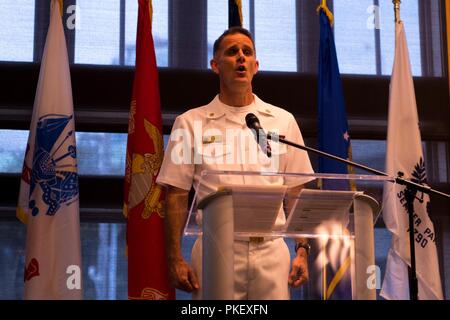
(143, 198)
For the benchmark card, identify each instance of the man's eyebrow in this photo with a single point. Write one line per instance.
(235, 46)
(231, 47)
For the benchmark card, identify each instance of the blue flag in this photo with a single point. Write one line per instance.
(333, 127)
(334, 139)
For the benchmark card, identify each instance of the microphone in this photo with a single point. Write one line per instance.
(252, 122)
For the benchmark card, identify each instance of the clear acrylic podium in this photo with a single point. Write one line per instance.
(248, 204)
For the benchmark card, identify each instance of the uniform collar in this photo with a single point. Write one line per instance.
(264, 108)
(215, 109)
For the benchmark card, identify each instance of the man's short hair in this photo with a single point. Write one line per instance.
(230, 31)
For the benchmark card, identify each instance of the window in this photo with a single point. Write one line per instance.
(365, 36)
(16, 30)
(410, 16)
(273, 28)
(159, 32)
(217, 22)
(275, 35)
(355, 42)
(98, 153)
(98, 33)
(106, 33)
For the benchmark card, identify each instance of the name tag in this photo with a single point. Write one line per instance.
(211, 139)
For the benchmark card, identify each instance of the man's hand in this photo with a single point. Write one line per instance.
(182, 275)
(299, 272)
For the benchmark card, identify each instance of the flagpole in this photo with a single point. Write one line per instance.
(397, 10)
(410, 194)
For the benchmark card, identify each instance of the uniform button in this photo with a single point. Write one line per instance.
(268, 110)
(211, 114)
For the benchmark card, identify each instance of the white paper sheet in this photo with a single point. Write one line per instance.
(320, 209)
(256, 207)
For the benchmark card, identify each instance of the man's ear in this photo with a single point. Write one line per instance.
(214, 66)
(257, 67)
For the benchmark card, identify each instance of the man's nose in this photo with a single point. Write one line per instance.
(241, 55)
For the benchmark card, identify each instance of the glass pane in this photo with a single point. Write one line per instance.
(101, 153)
(98, 32)
(105, 268)
(275, 35)
(16, 30)
(410, 16)
(160, 31)
(371, 153)
(98, 153)
(355, 41)
(217, 22)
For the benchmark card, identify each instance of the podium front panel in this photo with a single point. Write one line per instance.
(339, 224)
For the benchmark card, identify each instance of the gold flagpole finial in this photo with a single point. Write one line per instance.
(61, 6)
(150, 9)
(397, 10)
(239, 5)
(323, 6)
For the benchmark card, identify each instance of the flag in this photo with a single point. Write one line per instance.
(143, 198)
(334, 139)
(332, 117)
(235, 13)
(48, 198)
(404, 153)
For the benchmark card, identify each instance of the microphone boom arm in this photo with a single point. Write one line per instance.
(419, 187)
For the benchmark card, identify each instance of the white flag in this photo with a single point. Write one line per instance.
(404, 154)
(48, 199)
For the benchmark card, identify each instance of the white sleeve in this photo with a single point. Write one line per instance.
(177, 168)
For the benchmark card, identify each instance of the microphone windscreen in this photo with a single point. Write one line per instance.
(252, 121)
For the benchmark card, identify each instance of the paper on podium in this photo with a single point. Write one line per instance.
(324, 209)
(256, 207)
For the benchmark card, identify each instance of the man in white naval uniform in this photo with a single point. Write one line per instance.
(205, 138)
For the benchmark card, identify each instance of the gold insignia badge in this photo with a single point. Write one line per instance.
(144, 169)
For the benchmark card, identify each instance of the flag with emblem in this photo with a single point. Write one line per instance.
(404, 154)
(235, 13)
(143, 198)
(334, 139)
(48, 199)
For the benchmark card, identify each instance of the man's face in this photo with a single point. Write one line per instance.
(235, 61)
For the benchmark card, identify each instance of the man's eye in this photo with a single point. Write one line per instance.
(248, 52)
(232, 51)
